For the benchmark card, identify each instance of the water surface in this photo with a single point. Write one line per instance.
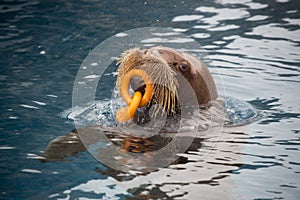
(253, 44)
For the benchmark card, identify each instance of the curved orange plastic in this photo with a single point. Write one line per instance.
(124, 89)
(134, 104)
(126, 114)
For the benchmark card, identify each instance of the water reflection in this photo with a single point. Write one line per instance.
(178, 179)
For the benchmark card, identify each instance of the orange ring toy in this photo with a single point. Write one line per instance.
(124, 89)
(126, 114)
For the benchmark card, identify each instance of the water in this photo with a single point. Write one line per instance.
(254, 44)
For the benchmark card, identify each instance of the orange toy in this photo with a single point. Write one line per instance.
(137, 101)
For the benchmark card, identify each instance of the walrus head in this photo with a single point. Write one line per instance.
(170, 70)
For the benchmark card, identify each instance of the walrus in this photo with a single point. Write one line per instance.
(171, 71)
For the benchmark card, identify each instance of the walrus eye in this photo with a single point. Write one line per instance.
(183, 67)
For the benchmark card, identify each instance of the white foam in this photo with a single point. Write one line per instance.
(39, 103)
(91, 76)
(32, 171)
(7, 148)
(184, 18)
(28, 106)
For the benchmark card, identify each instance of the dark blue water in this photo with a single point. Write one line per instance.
(254, 45)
